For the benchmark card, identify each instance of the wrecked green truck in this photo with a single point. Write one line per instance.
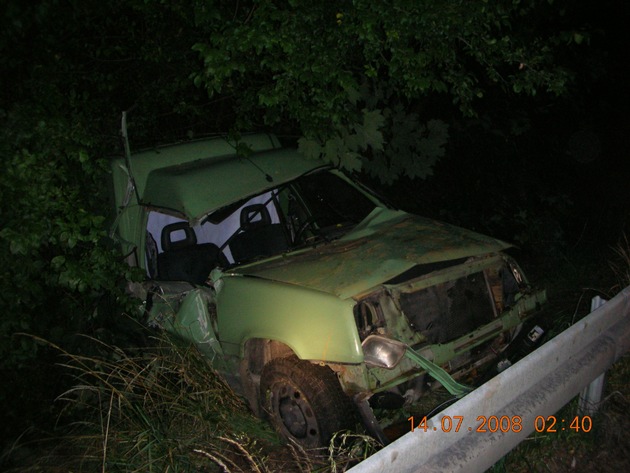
(310, 295)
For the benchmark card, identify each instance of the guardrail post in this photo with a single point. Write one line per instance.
(591, 395)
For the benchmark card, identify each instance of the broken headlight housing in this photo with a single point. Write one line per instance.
(382, 352)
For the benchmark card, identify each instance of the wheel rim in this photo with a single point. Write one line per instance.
(294, 412)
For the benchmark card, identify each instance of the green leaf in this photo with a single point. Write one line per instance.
(58, 261)
(370, 132)
(350, 161)
(310, 148)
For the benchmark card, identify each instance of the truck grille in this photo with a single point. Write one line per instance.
(449, 310)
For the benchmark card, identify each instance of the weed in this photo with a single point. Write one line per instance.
(620, 265)
(162, 409)
(151, 410)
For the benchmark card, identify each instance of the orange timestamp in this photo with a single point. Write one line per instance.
(503, 424)
(554, 424)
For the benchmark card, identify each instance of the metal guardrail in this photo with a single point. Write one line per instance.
(536, 386)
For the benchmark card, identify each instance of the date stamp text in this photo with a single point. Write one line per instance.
(548, 424)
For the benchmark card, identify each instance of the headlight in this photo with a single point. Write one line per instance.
(382, 352)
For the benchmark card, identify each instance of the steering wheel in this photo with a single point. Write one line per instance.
(308, 223)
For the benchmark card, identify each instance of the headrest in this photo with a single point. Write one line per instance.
(178, 235)
(255, 215)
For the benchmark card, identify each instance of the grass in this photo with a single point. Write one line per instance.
(163, 409)
(149, 410)
(620, 264)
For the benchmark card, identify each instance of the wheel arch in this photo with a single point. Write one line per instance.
(316, 325)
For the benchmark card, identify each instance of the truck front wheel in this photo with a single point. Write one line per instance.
(304, 401)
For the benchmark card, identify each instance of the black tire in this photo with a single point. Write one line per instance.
(304, 402)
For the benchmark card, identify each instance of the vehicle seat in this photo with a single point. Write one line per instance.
(258, 237)
(183, 259)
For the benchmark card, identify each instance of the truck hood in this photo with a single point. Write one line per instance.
(384, 245)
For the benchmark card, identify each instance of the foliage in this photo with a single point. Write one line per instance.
(57, 273)
(68, 69)
(410, 148)
(355, 76)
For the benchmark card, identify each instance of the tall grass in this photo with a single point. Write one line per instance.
(621, 264)
(153, 410)
(163, 409)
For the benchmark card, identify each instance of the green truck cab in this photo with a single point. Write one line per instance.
(311, 296)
